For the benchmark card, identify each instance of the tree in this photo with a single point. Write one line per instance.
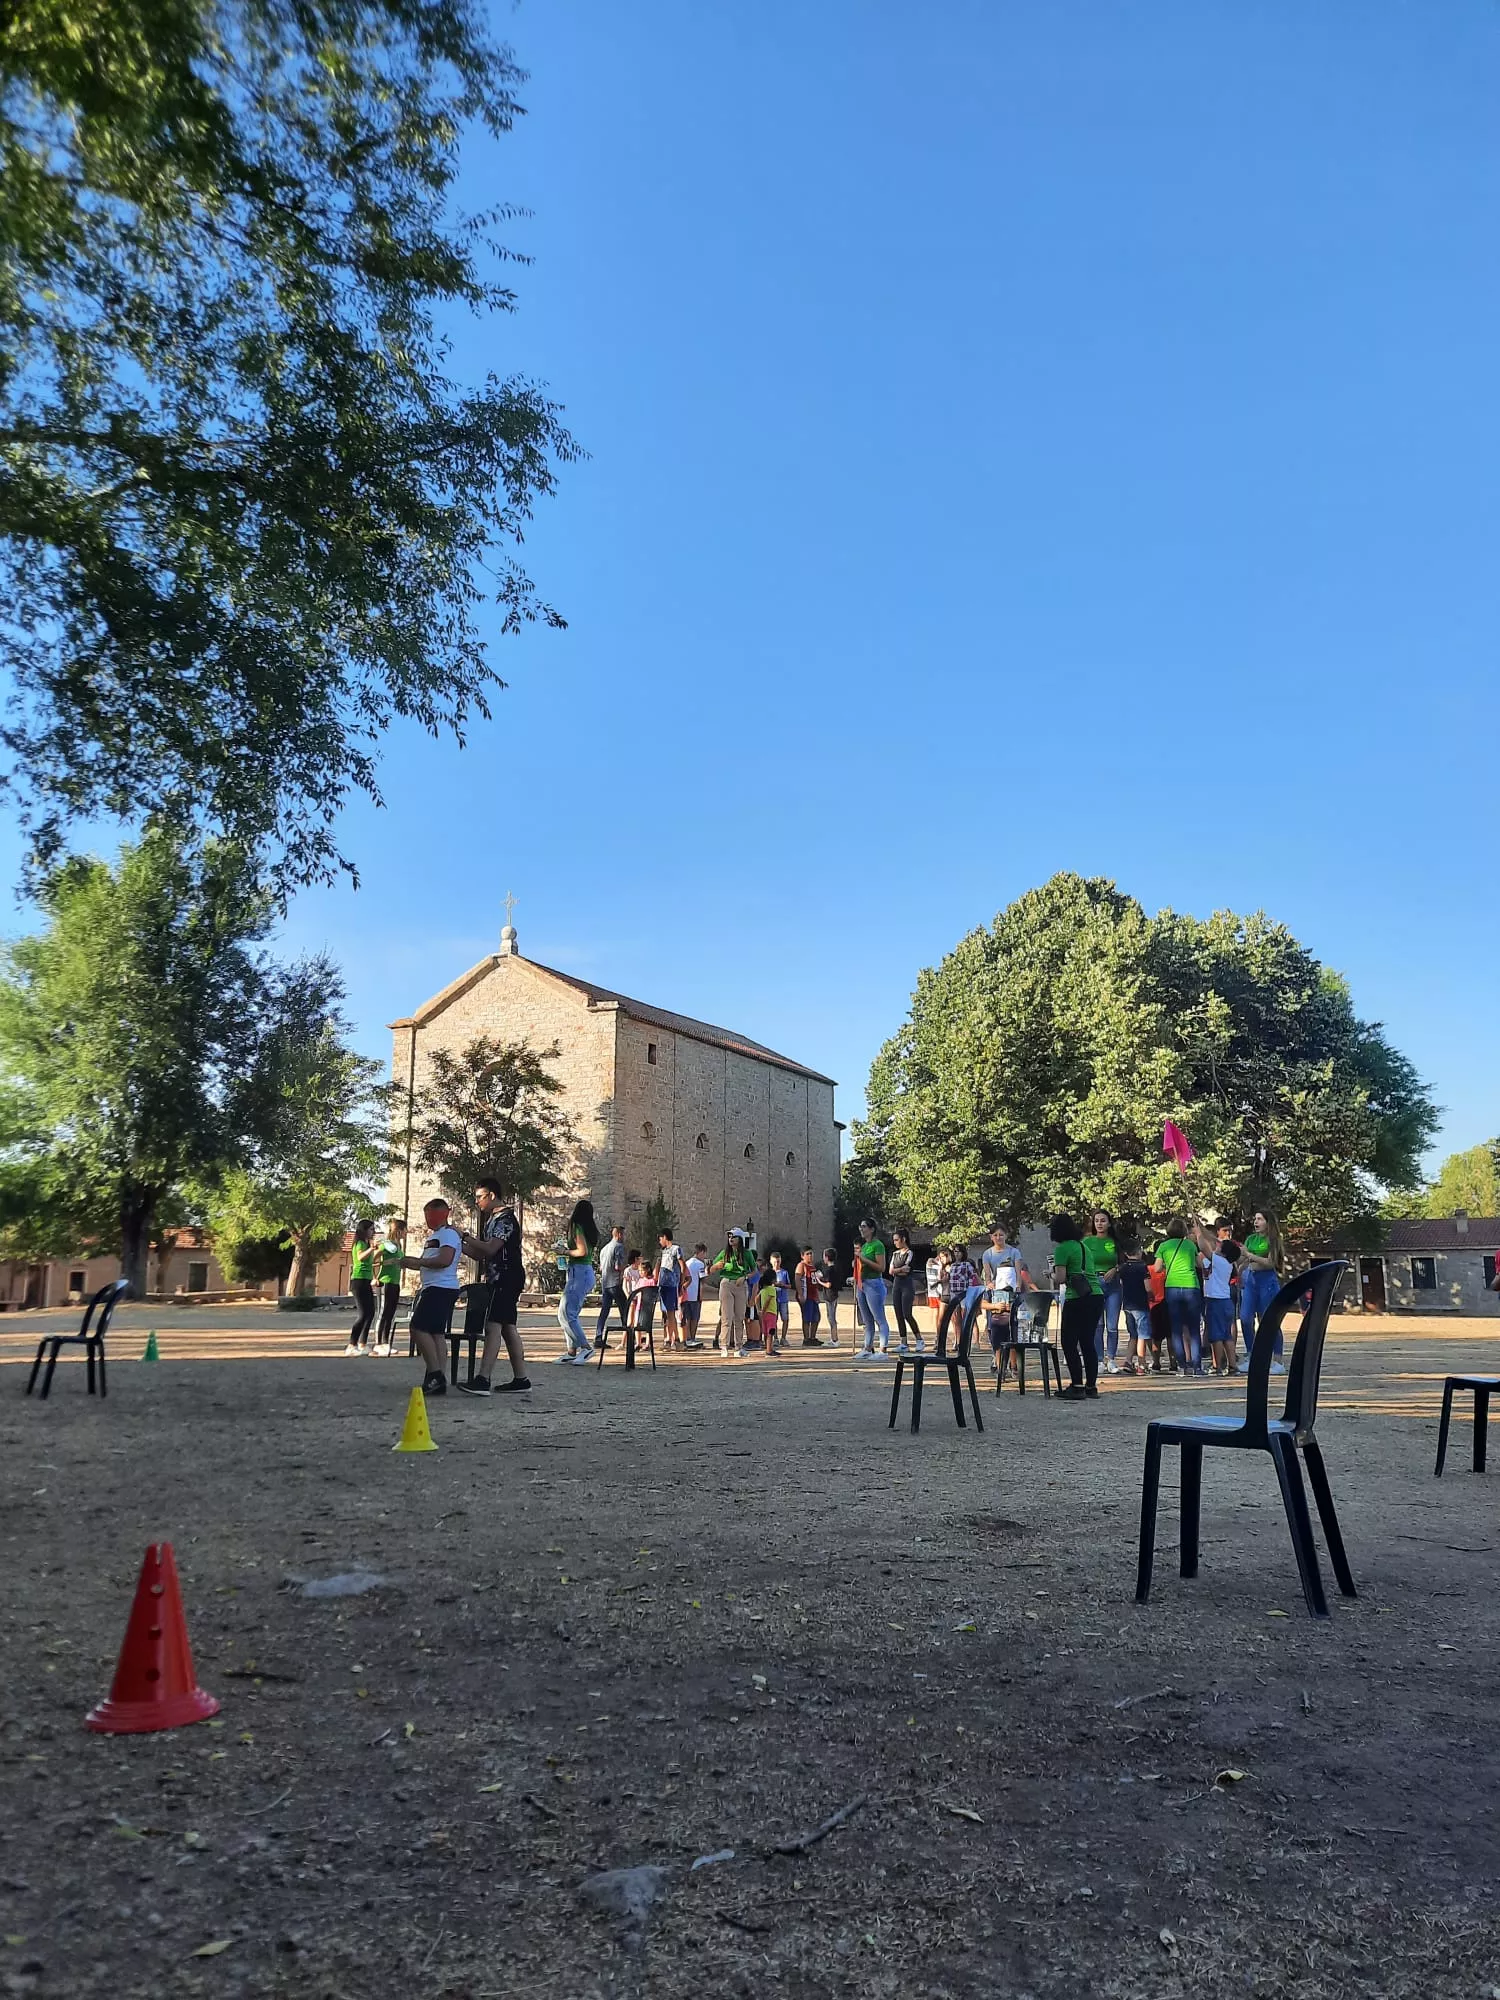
(644, 1232)
(1469, 1181)
(1041, 1058)
(489, 1112)
(139, 1028)
(323, 1152)
(246, 517)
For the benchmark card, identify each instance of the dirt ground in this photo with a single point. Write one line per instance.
(635, 1620)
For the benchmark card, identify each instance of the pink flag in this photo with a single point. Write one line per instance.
(1174, 1143)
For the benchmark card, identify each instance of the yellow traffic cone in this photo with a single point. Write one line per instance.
(415, 1436)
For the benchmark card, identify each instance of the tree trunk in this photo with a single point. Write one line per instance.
(137, 1208)
(297, 1277)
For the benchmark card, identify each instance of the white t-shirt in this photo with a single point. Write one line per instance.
(934, 1277)
(1002, 1268)
(446, 1280)
(696, 1271)
(1216, 1279)
(668, 1259)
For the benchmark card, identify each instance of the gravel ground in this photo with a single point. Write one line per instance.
(635, 1620)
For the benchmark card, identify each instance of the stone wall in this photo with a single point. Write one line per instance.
(1460, 1284)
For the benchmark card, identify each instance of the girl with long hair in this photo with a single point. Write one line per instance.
(1104, 1262)
(904, 1294)
(1083, 1308)
(580, 1241)
(362, 1284)
(1261, 1266)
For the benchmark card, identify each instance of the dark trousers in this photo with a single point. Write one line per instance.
(364, 1309)
(1080, 1321)
(1185, 1304)
(614, 1295)
(390, 1298)
(903, 1298)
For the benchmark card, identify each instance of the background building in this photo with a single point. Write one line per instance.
(1434, 1267)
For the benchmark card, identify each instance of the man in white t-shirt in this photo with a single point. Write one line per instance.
(691, 1304)
(432, 1315)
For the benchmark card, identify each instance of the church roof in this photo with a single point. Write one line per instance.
(638, 1010)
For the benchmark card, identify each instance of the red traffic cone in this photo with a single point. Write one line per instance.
(154, 1686)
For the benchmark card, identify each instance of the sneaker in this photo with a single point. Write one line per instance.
(509, 1388)
(994, 1364)
(1074, 1393)
(1112, 1368)
(866, 1354)
(350, 1348)
(1277, 1368)
(921, 1345)
(564, 1358)
(477, 1385)
(583, 1357)
(434, 1385)
(902, 1348)
(1090, 1389)
(383, 1350)
(1242, 1368)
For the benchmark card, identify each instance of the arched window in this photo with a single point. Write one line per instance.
(648, 1131)
(701, 1142)
(791, 1159)
(749, 1152)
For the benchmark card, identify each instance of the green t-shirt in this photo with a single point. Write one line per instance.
(733, 1265)
(1071, 1257)
(390, 1263)
(361, 1261)
(1179, 1259)
(1258, 1246)
(1101, 1253)
(868, 1253)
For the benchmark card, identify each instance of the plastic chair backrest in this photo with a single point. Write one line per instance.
(966, 1331)
(1307, 1356)
(106, 1299)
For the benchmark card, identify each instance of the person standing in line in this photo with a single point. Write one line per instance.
(580, 1243)
(1218, 1304)
(692, 1296)
(872, 1293)
(432, 1314)
(1177, 1259)
(963, 1285)
(1135, 1301)
(362, 1284)
(495, 1295)
(1104, 1262)
(1083, 1308)
(1161, 1319)
(1004, 1278)
(388, 1270)
(781, 1277)
(763, 1307)
(830, 1284)
(904, 1294)
(732, 1267)
(864, 1325)
(612, 1280)
(1260, 1281)
(805, 1278)
(937, 1283)
(669, 1280)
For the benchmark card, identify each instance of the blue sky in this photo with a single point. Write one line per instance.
(1022, 437)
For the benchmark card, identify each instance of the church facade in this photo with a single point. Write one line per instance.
(730, 1131)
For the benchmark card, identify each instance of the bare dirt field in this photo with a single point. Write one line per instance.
(634, 1620)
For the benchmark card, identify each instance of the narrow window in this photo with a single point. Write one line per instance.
(701, 1142)
(749, 1152)
(651, 1052)
(76, 1281)
(648, 1131)
(791, 1159)
(1423, 1274)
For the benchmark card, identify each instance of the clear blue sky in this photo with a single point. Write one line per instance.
(1023, 437)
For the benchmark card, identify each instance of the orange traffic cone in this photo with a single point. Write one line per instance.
(154, 1685)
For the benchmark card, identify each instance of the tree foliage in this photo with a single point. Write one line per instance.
(1467, 1181)
(490, 1112)
(140, 1031)
(246, 517)
(644, 1229)
(1040, 1059)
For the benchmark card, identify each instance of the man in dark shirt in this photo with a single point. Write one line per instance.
(495, 1294)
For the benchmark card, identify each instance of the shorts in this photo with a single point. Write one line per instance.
(935, 1300)
(487, 1303)
(690, 1309)
(1219, 1317)
(433, 1311)
(810, 1315)
(667, 1292)
(768, 1323)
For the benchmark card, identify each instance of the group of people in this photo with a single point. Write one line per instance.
(1174, 1306)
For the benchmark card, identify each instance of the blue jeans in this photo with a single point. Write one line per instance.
(1218, 1315)
(872, 1311)
(1185, 1305)
(1138, 1327)
(1114, 1299)
(570, 1306)
(1257, 1289)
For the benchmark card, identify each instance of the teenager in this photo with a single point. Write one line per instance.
(669, 1279)
(1260, 1281)
(1218, 1304)
(732, 1267)
(362, 1284)
(830, 1284)
(495, 1296)
(691, 1304)
(963, 1284)
(580, 1242)
(1104, 1262)
(432, 1314)
(1083, 1308)
(1005, 1276)
(805, 1279)
(781, 1277)
(611, 1279)
(1135, 1303)
(1177, 1260)
(872, 1295)
(904, 1294)
(937, 1282)
(388, 1271)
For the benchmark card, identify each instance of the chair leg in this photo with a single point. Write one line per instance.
(41, 1348)
(1443, 1423)
(896, 1395)
(88, 1364)
(603, 1338)
(918, 1378)
(1021, 1370)
(1481, 1426)
(103, 1386)
(973, 1397)
(1150, 1481)
(955, 1390)
(651, 1346)
(1192, 1499)
(53, 1350)
(1294, 1499)
(1317, 1473)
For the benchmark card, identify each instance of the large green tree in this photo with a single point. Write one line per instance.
(1467, 1181)
(488, 1111)
(142, 1029)
(247, 515)
(1041, 1058)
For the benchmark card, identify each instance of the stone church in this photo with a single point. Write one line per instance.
(731, 1132)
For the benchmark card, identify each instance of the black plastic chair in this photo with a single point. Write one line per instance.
(644, 1328)
(1483, 1387)
(1255, 1431)
(1036, 1343)
(89, 1338)
(959, 1370)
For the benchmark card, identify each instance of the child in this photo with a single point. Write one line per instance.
(765, 1305)
(783, 1282)
(691, 1306)
(962, 1278)
(937, 1272)
(1135, 1302)
(805, 1278)
(1218, 1303)
(639, 1286)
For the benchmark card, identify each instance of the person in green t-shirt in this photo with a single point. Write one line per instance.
(388, 1271)
(732, 1267)
(869, 1279)
(1083, 1307)
(1104, 1261)
(1178, 1261)
(1260, 1281)
(361, 1283)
